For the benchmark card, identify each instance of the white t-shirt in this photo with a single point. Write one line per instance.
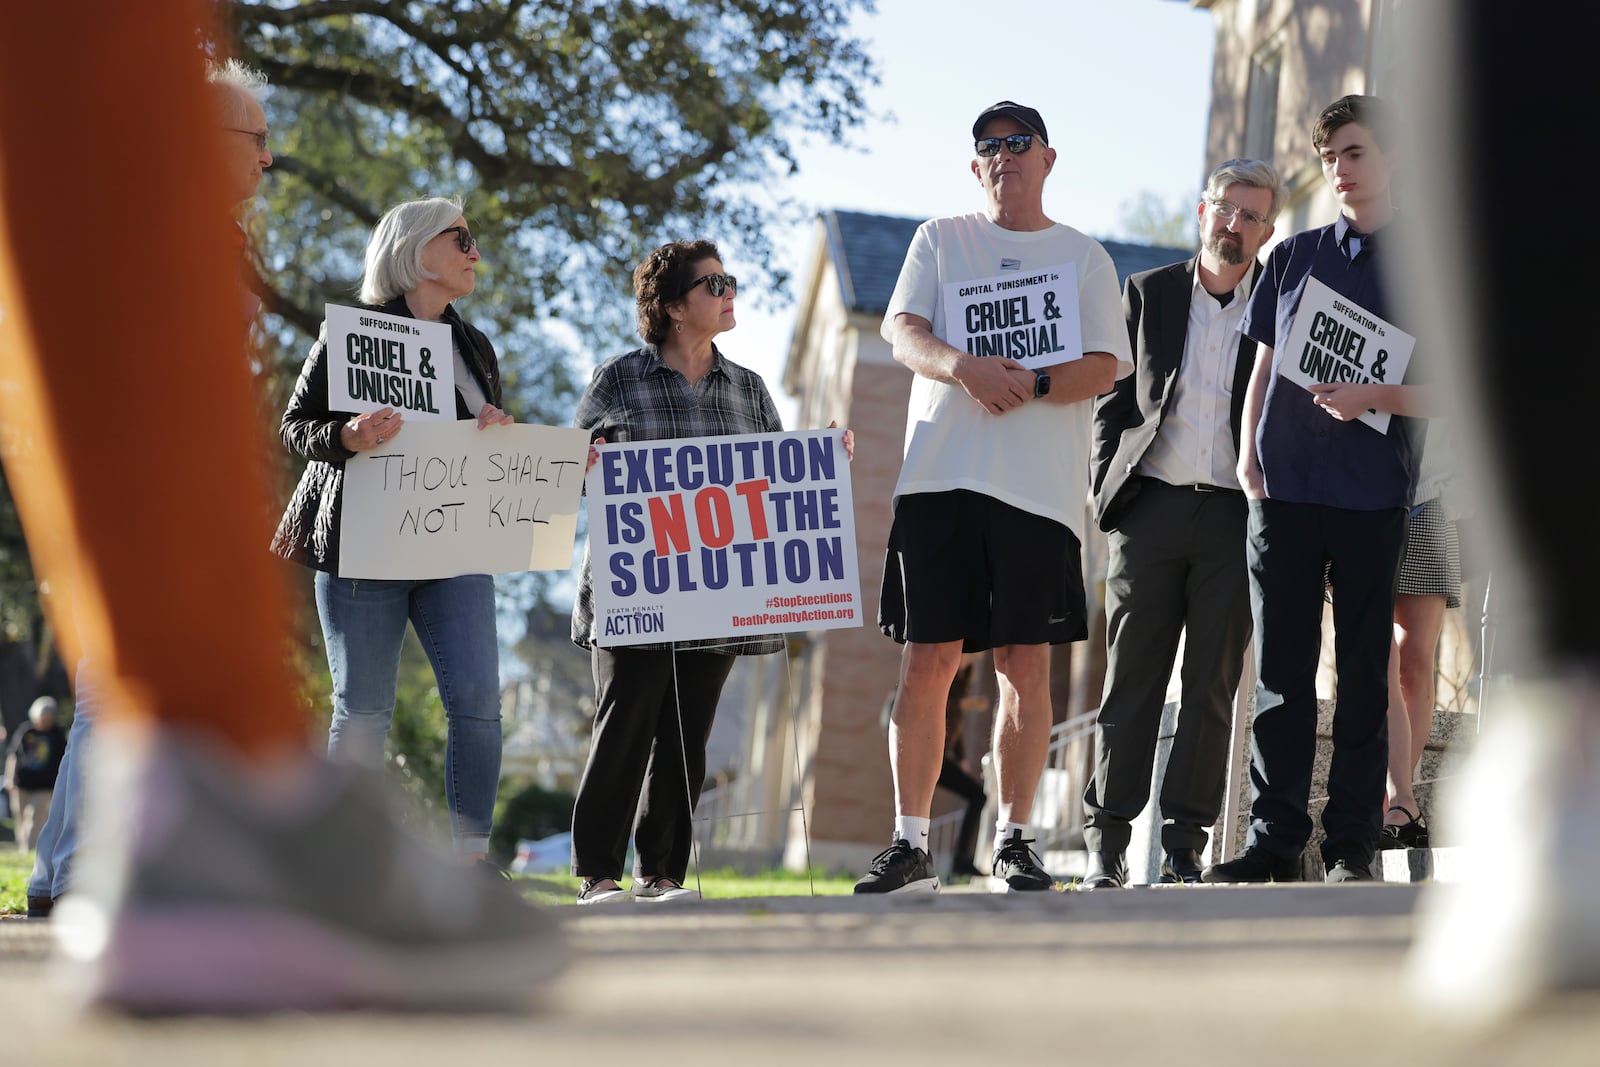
(1035, 457)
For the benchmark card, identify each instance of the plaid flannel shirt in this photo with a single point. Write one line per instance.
(637, 397)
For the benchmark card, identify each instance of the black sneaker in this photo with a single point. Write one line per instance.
(40, 907)
(900, 869)
(1016, 868)
(1254, 864)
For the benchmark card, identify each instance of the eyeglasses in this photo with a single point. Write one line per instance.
(716, 284)
(1016, 144)
(464, 239)
(1227, 209)
(259, 135)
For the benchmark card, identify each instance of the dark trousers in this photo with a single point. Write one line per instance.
(1288, 544)
(643, 776)
(1177, 566)
(954, 778)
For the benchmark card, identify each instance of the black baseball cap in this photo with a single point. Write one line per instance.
(1026, 117)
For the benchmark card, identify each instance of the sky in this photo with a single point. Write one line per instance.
(1124, 87)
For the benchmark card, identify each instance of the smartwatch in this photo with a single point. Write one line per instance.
(1041, 383)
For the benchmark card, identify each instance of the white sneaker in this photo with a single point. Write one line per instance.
(209, 885)
(1525, 921)
(591, 893)
(660, 890)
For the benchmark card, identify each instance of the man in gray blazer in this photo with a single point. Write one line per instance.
(1166, 443)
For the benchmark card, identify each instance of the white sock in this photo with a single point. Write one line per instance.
(1004, 831)
(912, 829)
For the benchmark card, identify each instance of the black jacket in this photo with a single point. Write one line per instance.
(308, 533)
(1156, 306)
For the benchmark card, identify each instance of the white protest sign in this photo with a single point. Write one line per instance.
(446, 498)
(1028, 316)
(737, 536)
(378, 361)
(1334, 339)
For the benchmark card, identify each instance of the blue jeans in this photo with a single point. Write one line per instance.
(363, 625)
(52, 858)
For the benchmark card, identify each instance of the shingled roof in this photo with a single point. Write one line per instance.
(867, 250)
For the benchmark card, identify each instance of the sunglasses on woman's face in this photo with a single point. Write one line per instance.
(1016, 144)
(464, 239)
(716, 284)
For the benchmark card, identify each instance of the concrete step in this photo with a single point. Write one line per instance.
(1446, 864)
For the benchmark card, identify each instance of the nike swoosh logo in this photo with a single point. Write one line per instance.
(1053, 620)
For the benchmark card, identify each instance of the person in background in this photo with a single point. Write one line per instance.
(1166, 445)
(33, 763)
(1430, 584)
(420, 259)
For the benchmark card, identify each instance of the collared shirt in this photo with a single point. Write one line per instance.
(1306, 455)
(637, 397)
(1194, 444)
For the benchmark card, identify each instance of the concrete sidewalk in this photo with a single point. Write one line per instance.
(1295, 974)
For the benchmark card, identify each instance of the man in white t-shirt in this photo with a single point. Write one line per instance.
(1013, 324)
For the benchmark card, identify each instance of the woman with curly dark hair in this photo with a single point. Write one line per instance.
(654, 703)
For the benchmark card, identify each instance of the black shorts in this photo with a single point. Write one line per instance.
(966, 567)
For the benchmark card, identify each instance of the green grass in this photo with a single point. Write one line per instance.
(716, 885)
(15, 868)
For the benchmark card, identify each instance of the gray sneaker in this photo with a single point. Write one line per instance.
(207, 886)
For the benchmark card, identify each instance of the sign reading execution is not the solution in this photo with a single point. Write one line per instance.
(709, 537)
(1028, 316)
(446, 498)
(378, 361)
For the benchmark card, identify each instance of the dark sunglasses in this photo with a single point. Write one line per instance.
(1016, 144)
(716, 284)
(464, 239)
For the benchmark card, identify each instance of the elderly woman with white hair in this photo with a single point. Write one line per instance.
(419, 260)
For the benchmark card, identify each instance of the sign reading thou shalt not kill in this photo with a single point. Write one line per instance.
(1029, 316)
(723, 537)
(446, 498)
(378, 361)
(1334, 339)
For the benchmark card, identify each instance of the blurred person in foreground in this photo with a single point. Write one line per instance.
(224, 866)
(655, 703)
(1523, 923)
(420, 260)
(235, 95)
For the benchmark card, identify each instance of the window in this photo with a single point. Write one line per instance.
(1261, 107)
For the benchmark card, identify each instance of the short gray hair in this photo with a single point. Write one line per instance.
(1252, 172)
(394, 252)
(230, 78)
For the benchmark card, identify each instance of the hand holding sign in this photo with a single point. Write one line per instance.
(1344, 400)
(366, 432)
(489, 415)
